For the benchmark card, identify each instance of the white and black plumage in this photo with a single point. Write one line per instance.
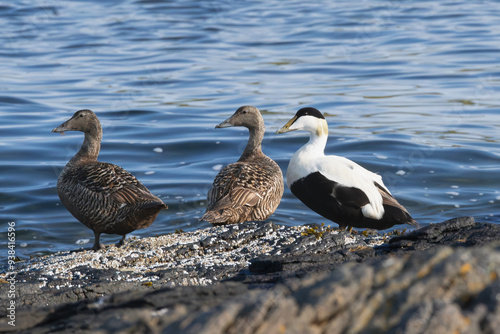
(104, 197)
(335, 187)
(251, 188)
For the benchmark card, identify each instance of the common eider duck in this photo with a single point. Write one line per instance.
(335, 187)
(104, 197)
(251, 188)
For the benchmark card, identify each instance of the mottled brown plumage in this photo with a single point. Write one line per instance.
(251, 188)
(104, 197)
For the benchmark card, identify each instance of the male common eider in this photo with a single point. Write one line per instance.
(251, 188)
(335, 187)
(104, 197)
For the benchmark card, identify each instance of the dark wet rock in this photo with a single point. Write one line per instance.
(264, 278)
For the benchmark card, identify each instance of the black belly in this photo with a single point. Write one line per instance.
(338, 203)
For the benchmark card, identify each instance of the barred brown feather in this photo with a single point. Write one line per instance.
(250, 189)
(104, 197)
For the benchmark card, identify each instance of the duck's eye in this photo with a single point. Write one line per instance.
(244, 112)
(81, 115)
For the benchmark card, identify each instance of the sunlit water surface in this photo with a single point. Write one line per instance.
(410, 90)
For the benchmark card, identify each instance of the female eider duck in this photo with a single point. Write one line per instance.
(335, 187)
(251, 188)
(104, 197)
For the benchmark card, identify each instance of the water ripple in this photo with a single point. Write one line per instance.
(409, 90)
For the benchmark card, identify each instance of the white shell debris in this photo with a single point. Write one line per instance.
(140, 259)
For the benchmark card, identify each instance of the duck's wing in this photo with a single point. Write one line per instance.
(393, 208)
(355, 186)
(379, 200)
(114, 182)
(317, 188)
(237, 184)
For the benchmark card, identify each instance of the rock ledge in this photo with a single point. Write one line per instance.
(264, 278)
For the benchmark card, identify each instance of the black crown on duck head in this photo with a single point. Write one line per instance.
(308, 111)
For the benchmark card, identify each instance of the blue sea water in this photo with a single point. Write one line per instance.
(410, 90)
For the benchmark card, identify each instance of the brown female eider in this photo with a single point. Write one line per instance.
(104, 197)
(335, 187)
(251, 188)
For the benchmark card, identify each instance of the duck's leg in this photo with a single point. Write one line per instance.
(349, 228)
(97, 243)
(121, 242)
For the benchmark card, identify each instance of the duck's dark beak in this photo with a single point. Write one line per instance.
(62, 128)
(286, 127)
(226, 124)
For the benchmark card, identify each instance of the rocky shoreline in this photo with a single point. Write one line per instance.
(265, 278)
